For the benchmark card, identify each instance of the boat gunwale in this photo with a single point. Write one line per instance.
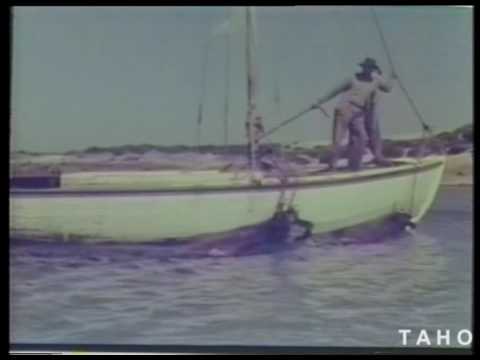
(413, 168)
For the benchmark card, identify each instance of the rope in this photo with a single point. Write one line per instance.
(426, 129)
(412, 104)
(289, 120)
(382, 38)
(425, 138)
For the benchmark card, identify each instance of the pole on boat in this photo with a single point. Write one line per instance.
(251, 88)
(293, 118)
(202, 93)
(227, 84)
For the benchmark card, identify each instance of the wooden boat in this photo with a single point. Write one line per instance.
(153, 206)
(173, 204)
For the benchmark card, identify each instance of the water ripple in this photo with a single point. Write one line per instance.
(318, 294)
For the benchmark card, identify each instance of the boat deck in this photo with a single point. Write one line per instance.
(210, 180)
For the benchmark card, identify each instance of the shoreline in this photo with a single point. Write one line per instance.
(458, 167)
(458, 170)
(463, 185)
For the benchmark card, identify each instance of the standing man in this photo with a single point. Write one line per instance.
(352, 110)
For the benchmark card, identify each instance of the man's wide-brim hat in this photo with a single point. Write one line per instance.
(369, 63)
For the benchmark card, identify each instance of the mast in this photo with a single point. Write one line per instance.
(252, 89)
(227, 86)
(202, 94)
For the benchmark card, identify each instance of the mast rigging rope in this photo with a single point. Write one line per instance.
(425, 126)
(426, 129)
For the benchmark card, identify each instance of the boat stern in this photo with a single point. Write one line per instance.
(425, 185)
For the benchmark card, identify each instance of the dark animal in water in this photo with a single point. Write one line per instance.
(373, 232)
(282, 232)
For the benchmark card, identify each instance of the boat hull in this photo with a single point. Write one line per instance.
(97, 212)
(360, 201)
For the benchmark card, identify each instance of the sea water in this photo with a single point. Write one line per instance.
(320, 294)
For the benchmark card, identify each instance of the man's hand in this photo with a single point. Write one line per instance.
(318, 105)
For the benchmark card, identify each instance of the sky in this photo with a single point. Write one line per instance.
(107, 76)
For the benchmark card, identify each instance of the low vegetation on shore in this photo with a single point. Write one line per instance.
(458, 144)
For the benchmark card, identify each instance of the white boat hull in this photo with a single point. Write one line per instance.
(146, 208)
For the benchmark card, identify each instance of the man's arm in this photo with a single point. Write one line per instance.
(384, 85)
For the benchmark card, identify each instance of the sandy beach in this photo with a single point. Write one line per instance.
(459, 170)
